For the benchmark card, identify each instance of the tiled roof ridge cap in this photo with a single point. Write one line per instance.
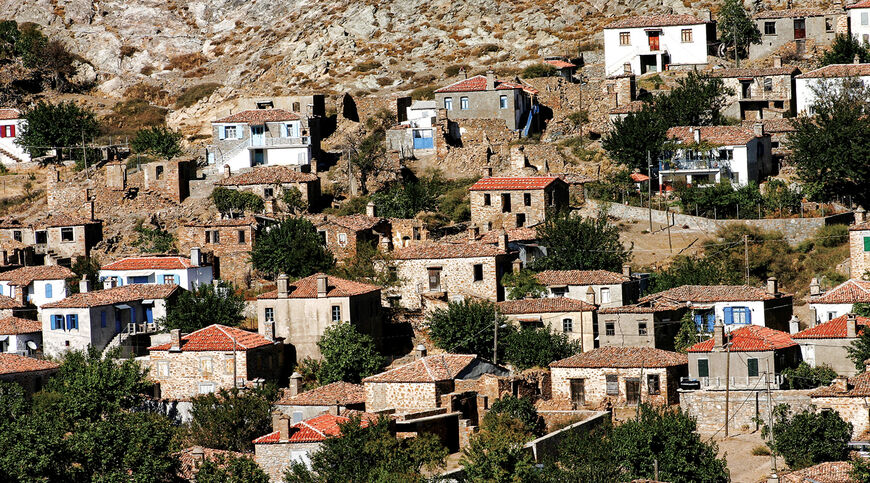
(426, 366)
(321, 433)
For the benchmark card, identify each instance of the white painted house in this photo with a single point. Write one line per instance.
(859, 21)
(187, 273)
(11, 123)
(827, 78)
(260, 137)
(653, 43)
(37, 285)
(20, 336)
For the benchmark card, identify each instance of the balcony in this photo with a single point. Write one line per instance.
(696, 165)
(266, 142)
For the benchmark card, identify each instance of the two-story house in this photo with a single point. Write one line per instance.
(827, 344)
(260, 137)
(701, 155)
(37, 285)
(270, 183)
(57, 239)
(11, 123)
(574, 318)
(859, 21)
(20, 336)
(762, 93)
(342, 234)
(226, 244)
(485, 97)
(416, 134)
(600, 287)
(188, 273)
(792, 28)
(827, 78)
(653, 43)
(841, 299)
(515, 202)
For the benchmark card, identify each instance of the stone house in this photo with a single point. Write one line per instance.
(11, 123)
(599, 287)
(226, 244)
(300, 312)
(419, 385)
(20, 336)
(188, 273)
(342, 234)
(733, 305)
(30, 373)
(838, 301)
(98, 318)
(36, 285)
(859, 21)
(779, 130)
(752, 352)
(847, 396)
(57, 239)
(10, 307)
(336, 398)
(639, 326)
(408, 231)
(825, 344)
(522, 241)
(826, 78)
(170, 178)
(574, 318)
(789, 30)
(654, 43)
(190, 459)
(515, 202)
(485, 97)
(260, 137)
(270, 183)
(619, 376)
(449, 271)
(213, 358)
(760, 93)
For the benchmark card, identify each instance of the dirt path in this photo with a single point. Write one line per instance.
(743, 466)
(651, 247)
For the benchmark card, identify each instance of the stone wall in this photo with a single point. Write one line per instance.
(116, 175)
(31, 381)
(488, 211)
(62, 197)
(403, 396)
(172, 178)
(230, 258)
(457, 278)
(859, 260)
(708, 407)
(276, 458)
(595, 386)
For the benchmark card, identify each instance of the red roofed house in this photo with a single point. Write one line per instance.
(599, 287)
(37, 285)
(565, 68)
(259, 137)
(714, 154)
(840, 300)
(825, 344)
(619, 376)
(653, 43)
(336, 398)
(301, 311)
(859, 20)
(754, 350)
(20, 336)
(11, 123)
(515, 202)
(30, 373)
(759, 93)
(829, 76)
(207, 360)
(342, 234)
(574, 318)
(188, 273)
(484, 97)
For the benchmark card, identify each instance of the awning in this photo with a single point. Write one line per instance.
(148, 302)
(122, 306)
(134, 273)
(702, 307)
(3, 337)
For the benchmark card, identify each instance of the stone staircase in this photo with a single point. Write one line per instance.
(11, 156)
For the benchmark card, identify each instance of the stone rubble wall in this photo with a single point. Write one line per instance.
(708, 407)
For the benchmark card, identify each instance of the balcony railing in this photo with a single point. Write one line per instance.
(281, 141)
(685, 164)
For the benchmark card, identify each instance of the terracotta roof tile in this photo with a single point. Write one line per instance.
(17, 325)
(116, 295)
(580, 277)
(267, 175)
(715, 135)
(559, 64)
(509, 183)
(664, 20)
(312, 430)
(771, 125)
(617, 357)
(849, 292)
(829, 472)
(639, 177)
(712, 293)
(862, 4)
(244, 221)
(257, 116)
(832, 329)
(858, 386)
(759, 72)
(343, 393)
(790, 13)
(478, 83)
(351, 222)
(543, 305)
(435, 251)
(514, 234)
(336, 287)
(838, 70)
(14, 364)
(10, 303)
(189, 466)
(150, 263)
(217, 337)
(8, 114)
(25, 275)
(751, 338)
(633, 106)
(61, 219)
(440, 367)
(640, 309)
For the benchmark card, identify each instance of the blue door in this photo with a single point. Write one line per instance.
(257, 136)
(149, 316)
(423, 139)
(258, 157)
(117, 321)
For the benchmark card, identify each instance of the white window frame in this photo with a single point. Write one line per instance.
(503, 102)
(463, 103)
(235, 132)
(206, 387)
(624, 38)
(605, 295)
(448, 103)
(567, 325)
(269, 314)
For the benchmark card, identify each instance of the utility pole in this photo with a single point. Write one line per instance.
(736, 54)
(770, 416)
(746, 256)
(668, 221)
(649, 189)
(727, 377)
(85, 155)
(495, 337)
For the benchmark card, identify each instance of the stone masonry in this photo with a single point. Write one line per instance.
(504, 208)
(63, 197)
(708, 407)
(405, 396)
(171, 178)
(595, 385)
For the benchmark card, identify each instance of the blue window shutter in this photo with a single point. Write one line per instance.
(711, 321)
(68, 321)
(102, 318)
(133, 315)
(75, 319)
(177, 279)
(149, 315)
(748, 315)
(698, 320)
(729, 315)
(222, 132)
(53, 322)
(48, 290)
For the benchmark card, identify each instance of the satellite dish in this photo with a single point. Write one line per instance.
(31, 345)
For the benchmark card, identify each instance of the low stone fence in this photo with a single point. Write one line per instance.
(547, 445)
(795, 230)
(708, 407)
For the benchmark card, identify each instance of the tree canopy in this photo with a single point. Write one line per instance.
(231, 202)
(231, 418)
(843, 50)
(292, 247)
(231, 469)
(468, 327)
(578, 243)
(347, 354)
(538, 347)
(523, 284)
(204, 306)
(808, 437)
(496, 453)
(158, 141)
(59, 126)
(736, 27)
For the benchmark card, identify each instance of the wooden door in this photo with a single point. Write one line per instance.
(632, 390)
(800, 28)
(653, 41)
(434, 279)
(578, 392)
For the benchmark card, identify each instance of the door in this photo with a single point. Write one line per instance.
(118, 321)
(653, 41)
(632, 390)
(258, 158)
(578, 392)
(257, 135)
(800, 28)
(434, 279)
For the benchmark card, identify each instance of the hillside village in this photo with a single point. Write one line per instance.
(606, 243)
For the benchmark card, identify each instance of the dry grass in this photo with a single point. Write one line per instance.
(149, 93)
(192, 95)
(129, 116)
(185, 62)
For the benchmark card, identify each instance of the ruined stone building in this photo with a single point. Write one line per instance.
(271, 182)
(57, 239)
(515, 202)
(226, 244)
(343, 234)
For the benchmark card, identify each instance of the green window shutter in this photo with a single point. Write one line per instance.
(752, 365)
(867, 243)
(703, 368)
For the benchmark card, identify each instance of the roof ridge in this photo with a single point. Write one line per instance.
(313, 428)
(426, 366)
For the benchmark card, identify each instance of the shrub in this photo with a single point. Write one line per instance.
(453, 70)
(519, 408)
(760, 450)
(539, 70)
(807, 438)
(832, 235)
(423, 93)
(185, 62)
(192, 95)
(367, 66)
(147, 92)
(806, 377)
(538, 347)
(130, 116)
(485, 49)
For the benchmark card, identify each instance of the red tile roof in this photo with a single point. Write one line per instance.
(436, 251)
(14, 364)
(10, 303)
(61, 219)
(25, 275)
(790, 13)
(189, 466)
(713, 293)
(714, 135)
(559, 64)
(150, 263)
(116, 295)
(639, 177)
(830, 472)
(832, 329)
(435, 368)
(838, 70)
(508, 183)
(759, 72)
(342, 393)
(17, 325)
(306, 288)
(858, 386)
(862, 4)
(849, 292)
(514, 234)
(543, 305)
(351, 222)
(8, 114)
(313, 430)
(665, 20)
(751, 338)
(624, 357)
(267, 175)
(259, 116)
(771, 125)
(217, 337)
(478, 83)
(580, 277)
(245, 221)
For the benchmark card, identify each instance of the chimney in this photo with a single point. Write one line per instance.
(590, 295)
(490, 80)
(90, 207)
(108, 283)
(857, 59)
(282, 425)
(463, 73)
(758, 129)
(696, 133)
(860, 215)
(175, 340)
(295, 383)
(195, 256)
(517, 265)
(322, 283)
(815, 289)
(718, 336)
(283, 283)
(794, 325)
(197, 454)
(85, 285)
(772, 286)
(626, 270)
(227, 171)
(269, 329)
(420, 351)
(503, 241)
(370, 209)
(487, 171)
(840, 384)
(473, 233)
(851, 326)
(705, 15)
(269, 206)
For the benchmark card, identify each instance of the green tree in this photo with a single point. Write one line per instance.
(496, 453)
(153, 240)
(859, 350)
(468, 327)
(406, 200)
(577, 243)
(366, 150)
(694, 270)
(861, 309)
(84, 268)
(204, 306)
(292, 197)
(158, 141)
(230, 202)
(585, 455)
(519, 408)
(9, 34)
(348, 355)
(231, 469)
(538, 347)
(368, 265)
(523, 285)
(687, 336)
(56, 126)
(292, 247)
(843, 50)
(231, 418)
(807, 438)
(637, 139)
(806, 377)
(860, 470)
(736, 28)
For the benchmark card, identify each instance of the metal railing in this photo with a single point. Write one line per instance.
(738, 382)
(694, 164)
(134, 328)
(282, 141)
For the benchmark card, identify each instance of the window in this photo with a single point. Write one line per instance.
(72, 322)
(57, 322)
(158, 172)
(768, 84)
(502, 102)
(506, 203)
(230, 132)
(168, 279)
(737, 315)
(527, 199)
(103, 319)
(48, 290)
(626, 68)
(434, 279)
(212, 236)
(206, 387)
(205, 365)
(478, 272)
(559, 292)
(297, 417)
(769, 28)
(463, 103)
(652, 384)
(270, 314)
(829, 24)
(66, 234)
(448, 103)
(567, 325)
(336, 313)
(867, 243)
(832, 315)
(163, 368)
(16, 235)
(605, 295)
(686, 36)
(521, 220)
(41, 238)
(609, 328)
(487, 201)
(752, 367)
(703, 368)
(322, 234)
(864, 18)
(342, 239)
(268, 192)
(641, 328)
(241, 234)
(624, 38)
(612, 384)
